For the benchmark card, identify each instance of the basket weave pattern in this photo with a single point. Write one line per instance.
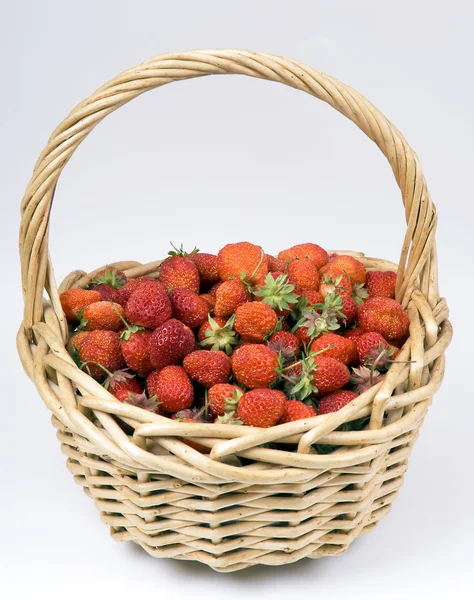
(280, 505)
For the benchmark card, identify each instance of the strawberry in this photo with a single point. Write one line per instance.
(275, 264)
(121, 382)
(242, 260)
(318, 319)
(229, 295)
(385, 316)
(108, 293)
(210, 300)
(102, 315)
(261, 407)
(254, 321)
(74, 344)
(222, 398)
(277, 291)
(213, 290)
(381, 283)
(312, 375)
(149, 305)
(188, 307)
(337, 346)
(296, 410)
(374, 349)
(207, 267)
(363, 378)
(207, 367)
(286, 344)
(335, 281)
(132, 284)
(170, 343)
(312, 297)
(101, 347)
(179, 272)
(312, 251)
(144, 402)
(108, 282)
(349, 265)
(172, 387)
(74, 301)
(255, 365)
(349, 309)
(329, 374)
(304, 272)
(190, 416)
(353, 334)
(335, 401)
(136, 351)
(218, 334)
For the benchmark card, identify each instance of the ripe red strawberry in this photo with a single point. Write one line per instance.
(329, 374)
(212, 291)
(296, 410)
(222, 398)
(132, 284)
(102, 315)
(74, 344)
(334, 280)
(170, 343)
(339, 347)
(275, 264)
(207, 267)
(149, 305)
(255, 365)
(312, 297)
(188, 307)
(108, 293)
(276, 290)
(121, 382)
(218, 334)
(286, 344)
(172, 387)
(353, 334)
(101, 347)
(349, 265)
(179, 272)
(381, 283)
(312, 251)
(302, 334)
(210, 300)
(304, 272)
(349, 309)
(108, 282)
(385, 316)
(73, 301)
(229, 296)
(335, 401)
(208, 326)
(241, 259)
(254, 321)
(372, 347)
(136, 351)
(207, 367)
(262, 407)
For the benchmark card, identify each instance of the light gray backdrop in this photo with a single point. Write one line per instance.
(226, 158)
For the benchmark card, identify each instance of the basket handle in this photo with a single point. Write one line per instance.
(418, 251)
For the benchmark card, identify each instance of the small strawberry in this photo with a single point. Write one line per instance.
(149, 305)
(312, 251)
(229, 295)
(144, 402)
(373, 349)
(312, 297)
(277, 291)
(132, 284)
(108, 282)
(218, 334)
(359, 293)
(329, 374)
(363, 378)
(262, 407)
(207, 367)
(108, 293)
(296, 410)
(242, 260)
(120, 383)
(318, 319)
(304, 272)
(354, 334)
(212, 291)
(335, 401)
(349, 309)
(188, 307)
(254, 321)
(170, 343)
(337, 346)
(74, 301)
(229, 418)
(385, 316)
(102, 315)
(312, 375)
(74, 344)
(255, 365)
(381, 283)
(207, 267)
(210, 300)
(286, 344)
(335, 281)
(191, 416)
(100, 352)
(172, 387)
(349, 265)
(275, 264)
(179, 272)
(222, 398)
(136, 351)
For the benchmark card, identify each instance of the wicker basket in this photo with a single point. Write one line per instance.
(275, 506)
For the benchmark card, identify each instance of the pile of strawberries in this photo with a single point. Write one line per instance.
(240, 337)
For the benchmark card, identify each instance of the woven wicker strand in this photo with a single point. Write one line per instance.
(242, 504)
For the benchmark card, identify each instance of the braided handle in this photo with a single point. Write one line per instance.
(417, 260)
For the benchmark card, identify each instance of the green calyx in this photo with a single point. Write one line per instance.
(120, 376)
(359, 293)
(277, 293)
(111, 277)
(231, 404)
(380, 357)
(142, 401)
(129, 328)
(181, 251)
(220, 338)
(300, 385)
(229, 419)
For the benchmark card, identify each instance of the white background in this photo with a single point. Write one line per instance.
(224, 159)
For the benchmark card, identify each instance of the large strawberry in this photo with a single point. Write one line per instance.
(172, 387)
(261, 407)
(98, 348)
(336, 346)
(277, 291)
(132, 284)
(385, 316)
(255, 365)
(149, 305)
(286, 344)
(242, 260)
(381, 283)
(207, 367)
(170, 343)
(207, 267)
(304, 272)
(229, 295)
(222, 398)
(335, 401)
(74, 301)
(188, 307)
(218, 334)
(314, 375)
(254, 321)
(347, 264)
(136, 351)
(353, 334)
(329, 374)
(296, 410)
(315, 253)
(179, 272)
(102, 315)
